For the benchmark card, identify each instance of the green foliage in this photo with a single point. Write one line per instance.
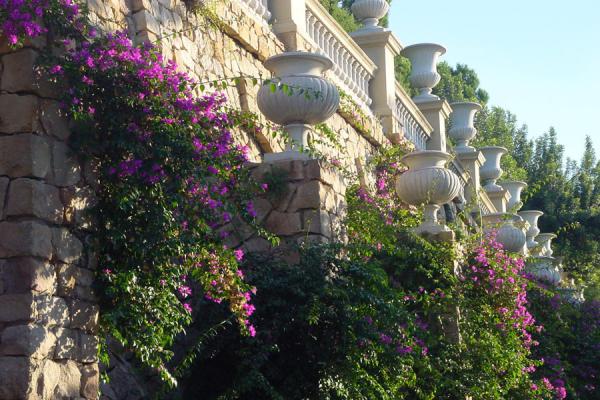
(459, 83)
(569, 342)
(342, 15)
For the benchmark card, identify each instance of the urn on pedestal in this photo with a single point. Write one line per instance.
(369, 12)
(308, 98)
(531, 216)
(515, 188)
(423, 75)
(428, 182)
(545, 244)
(508, 232)
(462, 125)
(545, 268)
(490, 171)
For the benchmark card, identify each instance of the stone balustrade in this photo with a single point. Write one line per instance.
(413, 125)
(258, 8)
(350, 64)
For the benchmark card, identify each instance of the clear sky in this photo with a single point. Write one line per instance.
(538, 59)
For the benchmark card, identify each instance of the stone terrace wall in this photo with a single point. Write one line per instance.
(48, 310)
(236, 47)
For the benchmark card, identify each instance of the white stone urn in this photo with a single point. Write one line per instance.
(490, 171)
(545, 243)
(545, 268)
(509, 230)
(311, 98)
(428, 182)
(423, 75)
(531, 216)
(369, 12)
(515, 188)
(462, 125)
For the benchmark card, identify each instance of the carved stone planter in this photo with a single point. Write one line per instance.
(490, 171)
(311, 100)
(462, 122)
(369, 12)
(546, 269)
(515, 188)
(428, 182)
(531, 216)
(424, 76)
(508, 232)
(545, 244)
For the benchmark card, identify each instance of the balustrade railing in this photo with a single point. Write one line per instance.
(411, 120)
(259, 8)
(331, 40)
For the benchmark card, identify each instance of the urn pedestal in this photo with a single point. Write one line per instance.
(428, 182)
(309, 99)
(462, 125)
(424, 76)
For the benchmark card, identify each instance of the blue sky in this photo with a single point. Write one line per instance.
(538, 59)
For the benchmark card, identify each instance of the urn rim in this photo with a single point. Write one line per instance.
(438, 153)
(300, 55)
(476, 106)
(436, 46)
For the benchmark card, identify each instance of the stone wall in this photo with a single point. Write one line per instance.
(48, 309)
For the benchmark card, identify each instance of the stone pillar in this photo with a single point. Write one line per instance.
(499, 198)
(471, 162)
(436, 112)
(48, 311)
(304, 202)
(289, 22)
(382, 47)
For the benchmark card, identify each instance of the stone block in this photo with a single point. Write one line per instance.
(75, 345)
(16, 307)
(284, 224)
(27, 340)
(25, 238)
(66, 171)
(66, 279)
(309, 195)
(24, 274)
(67, 247)
(53, 120)
(18, 113)
(15, 375)
(24, 155)
(30, 197)
(145, 21)
(18, 73)
(77, 203)
(68, 386)
(84, 315)
(3, 188)
(51, 311)
(317, 221)
(90, 381)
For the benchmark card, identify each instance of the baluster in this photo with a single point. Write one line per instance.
(345, 67)
(354, 71)
(267, 13)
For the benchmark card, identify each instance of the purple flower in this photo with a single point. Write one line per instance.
(239, 254)
(184, 291)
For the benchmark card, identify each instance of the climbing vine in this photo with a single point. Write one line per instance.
(173, 185)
